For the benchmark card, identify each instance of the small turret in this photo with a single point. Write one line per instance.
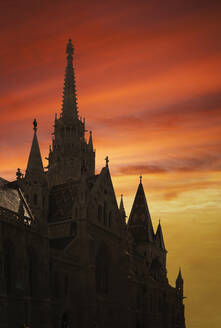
(179, 284)
(35, 168)
(90, 142)
(159, 237)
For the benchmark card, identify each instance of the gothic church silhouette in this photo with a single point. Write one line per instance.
(68, 258)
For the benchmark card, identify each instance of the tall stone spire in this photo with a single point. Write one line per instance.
(69, 105)
(70, 156)
(159, 237)
(139, 222)
(179, 279)
(179, 284)
(34, 166)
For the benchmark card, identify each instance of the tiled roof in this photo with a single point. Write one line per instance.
(10, 198)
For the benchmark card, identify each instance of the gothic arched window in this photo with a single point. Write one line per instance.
(66, 285)
(102, 270)
(138, 300)
(105, 213)
(110, 219)
(138, 325)
(35, 199)
(65, 321)
(99, 212)
(56, 284)
(32, 271)
(9, 265)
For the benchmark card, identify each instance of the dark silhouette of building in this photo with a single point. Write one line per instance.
(68, 258)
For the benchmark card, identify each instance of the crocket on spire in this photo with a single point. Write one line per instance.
(69, 105)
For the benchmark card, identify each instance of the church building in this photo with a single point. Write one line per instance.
(68, 256)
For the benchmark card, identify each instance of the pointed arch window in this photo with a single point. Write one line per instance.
(9, 259)
(110, 219)
(139, 299)
(138, 325)
(99, 213)
(35, 199)
(66, 285)
(56, 284)
(102, 270)
(105, 213)
(65, 321)
(32, 271)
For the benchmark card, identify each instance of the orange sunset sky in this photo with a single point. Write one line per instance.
(148, 77)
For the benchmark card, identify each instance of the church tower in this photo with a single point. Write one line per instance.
(70, 156)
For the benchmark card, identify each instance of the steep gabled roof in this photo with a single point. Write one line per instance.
(12, 199)
(139, 222)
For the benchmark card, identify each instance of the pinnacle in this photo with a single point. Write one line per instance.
(159, 235)
(35, 165)
(121, 208)
(90, 142)
(179, 275)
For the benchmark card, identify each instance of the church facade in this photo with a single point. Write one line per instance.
(68, 257)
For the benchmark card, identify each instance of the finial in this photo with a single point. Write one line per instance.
(159, 221)
(107, 161)
(180, 274)
(121, 196)
(140, 178)
(69, 49)
(19, 175)
(35, 125)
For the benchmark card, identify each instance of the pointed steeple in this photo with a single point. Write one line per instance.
(139, 222)
(159, 236)
(69, 105)
(179, 278)
(35, 166)
(121, 208)
(179, 284)
(90, 142)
